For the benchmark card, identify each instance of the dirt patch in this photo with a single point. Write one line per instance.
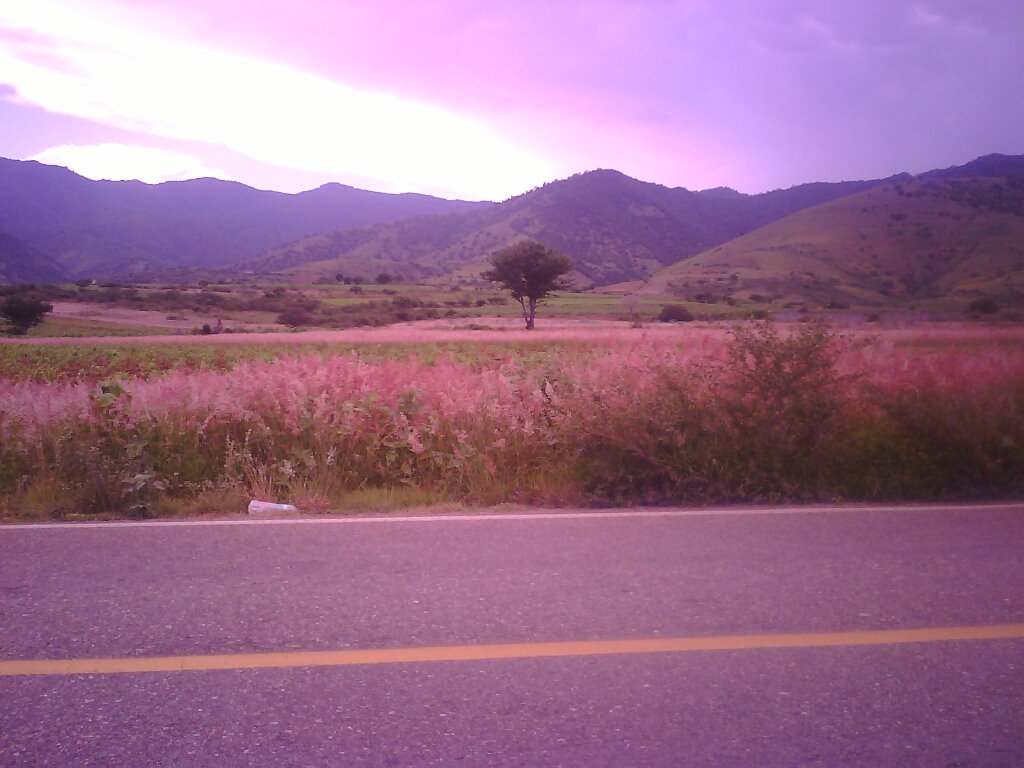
(409, 333)
(497, 329)
(146, 318)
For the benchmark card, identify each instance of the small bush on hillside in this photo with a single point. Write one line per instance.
(983, 306)
(295, 317)
(675, 313)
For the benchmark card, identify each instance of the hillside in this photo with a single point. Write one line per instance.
(930, 241)
(118, 229)
(987, 166)
(614, 227)
(21, 263)
(716, 244)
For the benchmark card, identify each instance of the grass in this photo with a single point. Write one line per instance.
(54, 363)
(392, 499)
(696, 416)
(250, 307)
(92, 363)
(76, 327)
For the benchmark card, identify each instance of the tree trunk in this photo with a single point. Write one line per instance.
(526, 314)
(533, 314)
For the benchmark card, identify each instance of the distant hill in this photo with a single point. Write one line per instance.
(117, 229)
(930, 241)
(953, 232)
(21, 263)
(988, 166)
(614, 227)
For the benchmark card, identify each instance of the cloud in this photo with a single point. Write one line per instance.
(825, 36)
(118, 162)
(99, 64)
(924, 18)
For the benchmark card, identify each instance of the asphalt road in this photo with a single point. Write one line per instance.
(203, 593)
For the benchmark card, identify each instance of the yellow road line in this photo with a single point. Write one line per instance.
(504, 651)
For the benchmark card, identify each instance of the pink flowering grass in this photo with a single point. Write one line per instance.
(760, 414)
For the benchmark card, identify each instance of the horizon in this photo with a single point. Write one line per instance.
(457, 101)
(518, 194)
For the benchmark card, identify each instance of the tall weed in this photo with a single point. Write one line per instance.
(764, 414)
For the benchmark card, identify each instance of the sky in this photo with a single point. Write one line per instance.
(484, 100)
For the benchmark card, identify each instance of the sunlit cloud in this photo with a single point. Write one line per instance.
(99, 64)
(118, 162)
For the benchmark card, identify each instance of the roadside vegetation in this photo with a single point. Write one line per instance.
(756, 413)
(208, 308)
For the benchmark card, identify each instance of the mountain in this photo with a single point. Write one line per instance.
(122, 228)
(953, 231)
(933, 241)
(21, 263)
(987, 166)
(614, 227)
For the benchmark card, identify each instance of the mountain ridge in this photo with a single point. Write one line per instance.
(120, 228)
(21, 263)
(613, 226)
(616, 228)
(928, 241)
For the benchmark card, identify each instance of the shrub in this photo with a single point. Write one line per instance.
(295, 316)
(755, 426)
(23, 312)
(782, 399)
(675, 313)
(983, 306)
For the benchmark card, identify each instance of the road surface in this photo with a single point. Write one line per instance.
(797, 636)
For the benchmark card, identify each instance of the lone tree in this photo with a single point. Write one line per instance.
(23, 312)
(532, 272)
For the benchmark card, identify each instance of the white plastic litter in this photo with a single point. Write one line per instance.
(268, 507)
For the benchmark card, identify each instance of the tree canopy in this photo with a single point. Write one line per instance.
(531, 271)
(23, 312)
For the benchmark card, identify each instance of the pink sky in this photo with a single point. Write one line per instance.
(485, 100)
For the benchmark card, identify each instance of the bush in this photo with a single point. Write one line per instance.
(23, 312)
(295, 317)
(755, 428)
(782, 398)
(983, 306)
(675, 313)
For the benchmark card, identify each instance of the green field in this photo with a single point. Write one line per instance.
(244, 307)
(74, 362)
(78, 327)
